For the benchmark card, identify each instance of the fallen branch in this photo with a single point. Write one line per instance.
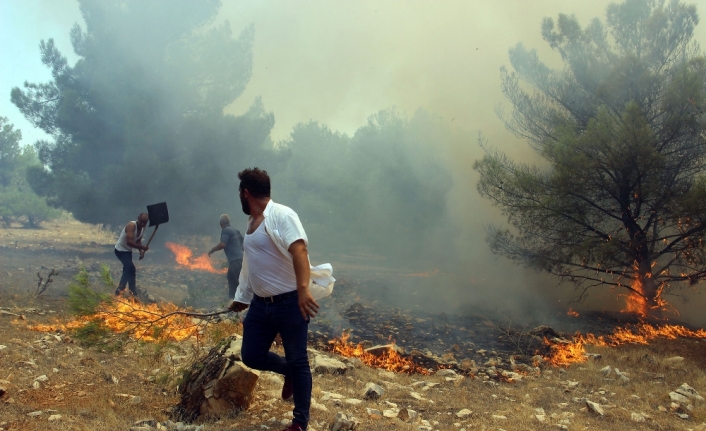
(42, 287)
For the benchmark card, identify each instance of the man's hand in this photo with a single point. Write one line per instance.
(236, 306)
(307, 305)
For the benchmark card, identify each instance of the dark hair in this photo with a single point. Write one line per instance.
(256, 181)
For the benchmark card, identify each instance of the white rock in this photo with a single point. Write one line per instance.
(35, 413)
(54, 418)
(324, 364)
(343, 423)
(606, 370)
(390, 413)
(406, 414)
(678, 398)
(353, 401)
(371, 391)
(373, 411)
(499, 417)
(595, 407)
(42, 378)
(463, 413)
(637, 417)
(689, 392)
(674, 359)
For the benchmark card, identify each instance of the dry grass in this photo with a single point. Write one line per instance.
(81, 391)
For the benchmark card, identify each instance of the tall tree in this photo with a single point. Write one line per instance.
(139, 118)
(9, 150)
(620, 199)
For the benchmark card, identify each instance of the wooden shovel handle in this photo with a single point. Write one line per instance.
(142, 252)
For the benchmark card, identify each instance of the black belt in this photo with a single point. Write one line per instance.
(276, 298)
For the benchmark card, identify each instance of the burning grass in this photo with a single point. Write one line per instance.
(185, 258)
(388, 360)
(564, 353)
(144, 322)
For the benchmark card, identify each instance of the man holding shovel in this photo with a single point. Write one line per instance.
(130, 238)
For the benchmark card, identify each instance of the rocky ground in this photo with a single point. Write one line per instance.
(61, 380)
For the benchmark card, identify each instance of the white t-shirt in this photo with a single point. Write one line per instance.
(271, 272)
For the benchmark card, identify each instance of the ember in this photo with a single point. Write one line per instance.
(565, 353)
(184, 257)
(389, 360)
(146, 322)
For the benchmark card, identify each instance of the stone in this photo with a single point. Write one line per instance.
(446, 372)
(606, 371)
(390, 413)
(325, 365)
(637, 417)
(678, 398)
(353, 401)
(135, 400)
(318, 406)
(406, 414)
(674, 360)
(464, 413)
(145, 423)
(35, 413)
(499, 417)
(373, 411)
(233, 350)
(42, 378)
(380, 350)
(233, 390)
(595, 407)
(343, 423)
(371, 391)
(689, 392)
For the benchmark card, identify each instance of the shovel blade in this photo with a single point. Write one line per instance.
(158, 213)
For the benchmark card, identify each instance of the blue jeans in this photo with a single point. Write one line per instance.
(129, 271)
(260, 327)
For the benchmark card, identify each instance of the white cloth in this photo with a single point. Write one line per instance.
(121, 245)
(283, 227)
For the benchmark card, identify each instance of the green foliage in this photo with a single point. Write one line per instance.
(16, 197)
(621, 199)
(83, 299)
(149, 119)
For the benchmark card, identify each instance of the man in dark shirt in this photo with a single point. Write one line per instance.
(232, 244)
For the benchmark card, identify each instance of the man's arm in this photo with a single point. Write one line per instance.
(130, 237)
(300, 257)
(219, 246)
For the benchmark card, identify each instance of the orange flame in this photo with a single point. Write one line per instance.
(184, 257)
(567, 353)
(571, 312)
(389, 360)
(146, 322)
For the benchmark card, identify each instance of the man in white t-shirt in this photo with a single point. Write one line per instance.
(130, 238)
(274, 283)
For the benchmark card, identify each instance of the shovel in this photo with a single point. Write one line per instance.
(158, 214)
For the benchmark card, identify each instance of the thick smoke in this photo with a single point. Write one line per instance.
(140, 119)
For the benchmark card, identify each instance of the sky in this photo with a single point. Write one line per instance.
(338, 62)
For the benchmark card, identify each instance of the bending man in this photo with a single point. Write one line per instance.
(130, 238)
(274, 283)
(232, 244)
